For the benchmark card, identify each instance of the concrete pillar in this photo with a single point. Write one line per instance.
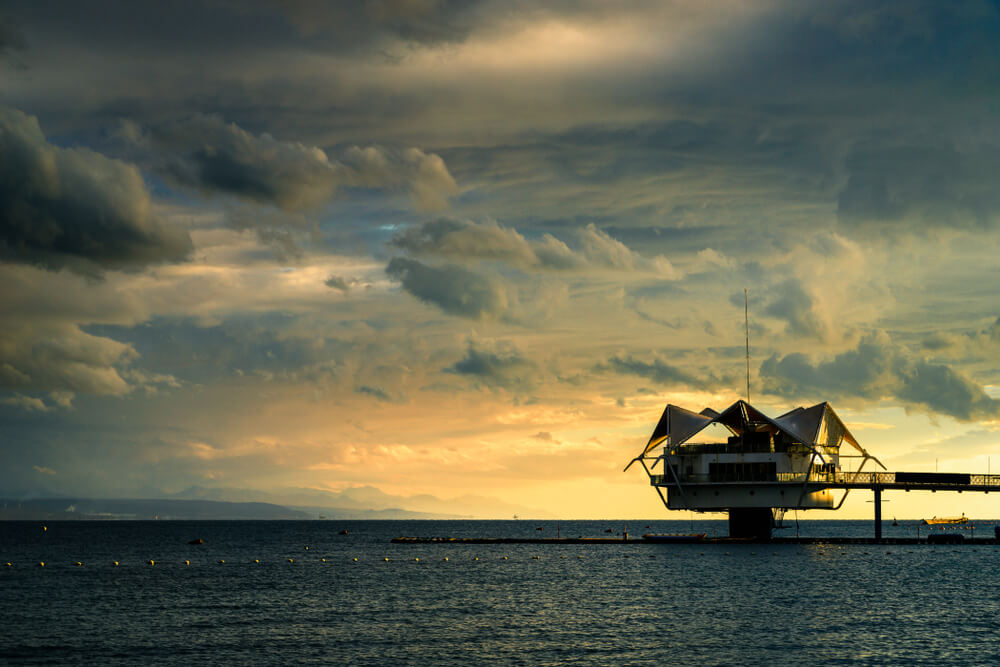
(878, 513)
(753, 522)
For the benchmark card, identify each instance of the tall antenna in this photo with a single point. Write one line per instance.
(746, 322)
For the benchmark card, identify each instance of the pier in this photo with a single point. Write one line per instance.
(951, 539)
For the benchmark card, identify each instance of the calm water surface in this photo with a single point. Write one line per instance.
(581, 604)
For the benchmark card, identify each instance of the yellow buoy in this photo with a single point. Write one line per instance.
(322, 560)
(256, 560)
(291, 560)
(476, 558)
(416, 560)
(222, 562)
(115, 563)
(505, 558)
(78, 564)
(356, 560)
(307, 548)
(41, 563)
(580, 557)
(152, 562)
(446, 558)
(8, 564)
(44, 528)
(187, 562)
(386, 559)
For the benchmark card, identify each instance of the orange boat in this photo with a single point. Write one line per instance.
(946, 520)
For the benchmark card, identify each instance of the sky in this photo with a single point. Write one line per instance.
(470, 250)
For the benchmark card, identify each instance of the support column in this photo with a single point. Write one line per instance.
(752, 522)
(878, 512)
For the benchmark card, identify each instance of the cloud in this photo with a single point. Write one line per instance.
(375, 392)
(498, 366)
(11, 37)
(595, 249)
(878, 369)
(910, 183)
(658, 370)
(205, 152)
(791, 303)
(454, 289)
(74, 208)
(62, 358)
(27, 403)
(337, 283)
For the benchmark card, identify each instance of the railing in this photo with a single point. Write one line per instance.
(868, 479)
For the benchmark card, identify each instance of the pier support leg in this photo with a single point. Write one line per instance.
(878, 513)
(754, 522)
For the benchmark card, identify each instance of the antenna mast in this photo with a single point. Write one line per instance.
(746, 322)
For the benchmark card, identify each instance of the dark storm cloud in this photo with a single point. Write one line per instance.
(657, 371)
(878, 369)
(220, 25)
(919, 183)
(592, 248)
(791, 304)
(498, 367)
(72, 207)
(337, 283)
(375, 392)
(11, 37)
(453, 289)
(208, 153)
(205, 152)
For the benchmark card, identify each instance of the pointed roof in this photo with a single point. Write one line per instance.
(817, 426)
(821, 425)
(676, 425)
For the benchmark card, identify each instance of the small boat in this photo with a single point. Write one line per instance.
(674, 537)
(950, 520)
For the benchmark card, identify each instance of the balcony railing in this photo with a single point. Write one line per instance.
(868, 479)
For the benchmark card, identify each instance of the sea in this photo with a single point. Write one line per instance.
(291, 592)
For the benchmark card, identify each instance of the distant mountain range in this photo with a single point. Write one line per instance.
(198, 502)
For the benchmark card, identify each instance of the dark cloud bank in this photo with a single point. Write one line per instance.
(72, 207)
(878, 369)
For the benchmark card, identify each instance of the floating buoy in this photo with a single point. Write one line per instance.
(222, 562)
(197, 541)
(256, 560)
(44, 528)
(564, 557)
(356, 560)
(8, 564)
(579, 557)
(535, 558)
(78, 564)
(386, 559)
(41, 563)
(505, 558)
(416, 560)
(187, 562)
(291, 560)
(322, 560)
(115, 563)
(446, 558)
(476, 558)
(151, 562)
(307, 548)
(343, 532)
